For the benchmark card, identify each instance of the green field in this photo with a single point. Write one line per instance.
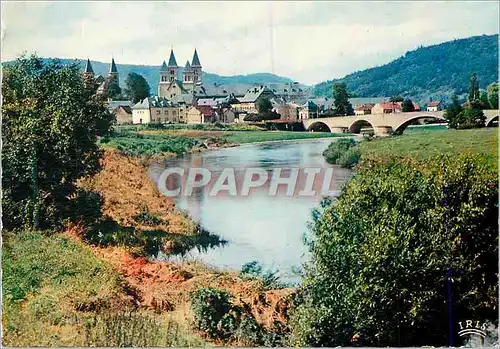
(427, 144)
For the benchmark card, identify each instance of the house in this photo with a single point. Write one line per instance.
(158, 110)
(363, 109)
(224, 115)
(308, 111)
(288, 111)
(123, 115)
(200, 115)
(249, 103)
(434, 106)
(387, 108)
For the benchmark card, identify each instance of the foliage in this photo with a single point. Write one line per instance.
(264, 106)
(381, 254)
(253, 270)
(396, 99)
(407, 106)
(220, 319)
(112, 89)
(472, 116)
(493, 95)
(51, 120)
(452, 112)
(473, 87)
(437, 70)
(341, 100)
(337, 149)
(350, 158)
(483, 100)
(137, 87)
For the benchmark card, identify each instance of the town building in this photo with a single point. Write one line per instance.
(113, 77)
(249, 103)
(308, 110)
(434, 106)
(122, 111)
(158, 110)
(386, 108)
(363, 109)
(200, 115)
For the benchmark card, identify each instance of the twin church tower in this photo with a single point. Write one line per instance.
(170, 85)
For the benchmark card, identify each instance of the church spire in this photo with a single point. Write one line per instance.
(164, 67)
(112, 68)
(188, 66)
(88, 67)
(171, 61)
(196, 60)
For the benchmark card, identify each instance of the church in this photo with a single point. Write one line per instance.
(171, 86)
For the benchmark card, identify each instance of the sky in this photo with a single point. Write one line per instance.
(306, 41)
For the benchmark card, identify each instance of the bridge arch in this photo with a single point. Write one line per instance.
(357, 125)
(399, 129)
(490, 123)
(319, 126)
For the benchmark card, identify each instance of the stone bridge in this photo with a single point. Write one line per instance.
(382, 124)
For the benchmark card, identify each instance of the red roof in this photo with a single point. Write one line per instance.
(205, 110)
(391, 105)
(364, 107)
(434, 104)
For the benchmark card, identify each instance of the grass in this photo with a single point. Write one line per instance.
(56, 292)
(242, 137)
(426, 144)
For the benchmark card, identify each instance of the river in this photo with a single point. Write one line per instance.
(268, 229)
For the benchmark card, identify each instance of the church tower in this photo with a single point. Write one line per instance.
(187, 77)
(196, 69)
(173, 69)
(113, 72)
(88, 73)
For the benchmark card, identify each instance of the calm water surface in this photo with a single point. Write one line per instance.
(258, 227)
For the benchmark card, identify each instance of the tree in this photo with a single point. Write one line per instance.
(383, 253)
(264, 106)
(137, 87)
(483, 100)
(396, 99)
(473, 88)
(407, 106)
(452, 111)
(493, 95)
(472, 116)
(341, 100)
(51, 121)
(112, 89)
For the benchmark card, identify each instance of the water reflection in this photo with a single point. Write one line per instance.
(257, 227)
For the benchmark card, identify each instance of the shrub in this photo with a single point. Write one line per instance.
(349, 158)
(253, 270)
(336, 149)
(209, 306)
(146, 218)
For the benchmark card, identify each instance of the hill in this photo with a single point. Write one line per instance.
(151, 74)
(428, 72)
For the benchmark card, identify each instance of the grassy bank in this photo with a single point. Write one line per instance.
(179, 139)
(427, 144)
(57, 292)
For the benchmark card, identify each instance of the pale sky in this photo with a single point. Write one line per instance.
(306, 41)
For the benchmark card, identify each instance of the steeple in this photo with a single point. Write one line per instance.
(196, 60)
(188, 66)
(112, 68)
(88, 68)
(164, 67)
(171, 61)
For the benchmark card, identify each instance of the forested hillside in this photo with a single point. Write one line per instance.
(427, 72)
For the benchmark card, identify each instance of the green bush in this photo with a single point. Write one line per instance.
(146, 218)
(210, 306)
(337, 149)
(382, 251)
(350, 157)
(253, 270)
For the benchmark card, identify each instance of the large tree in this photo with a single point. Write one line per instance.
(51, 121)
(341, 100)
(493, 95)
(403, 243)
(473, 87)
(407, 106)
(112, 89)
(452, 111)
(137, 87)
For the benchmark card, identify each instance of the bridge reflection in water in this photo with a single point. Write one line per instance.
(381, 124)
